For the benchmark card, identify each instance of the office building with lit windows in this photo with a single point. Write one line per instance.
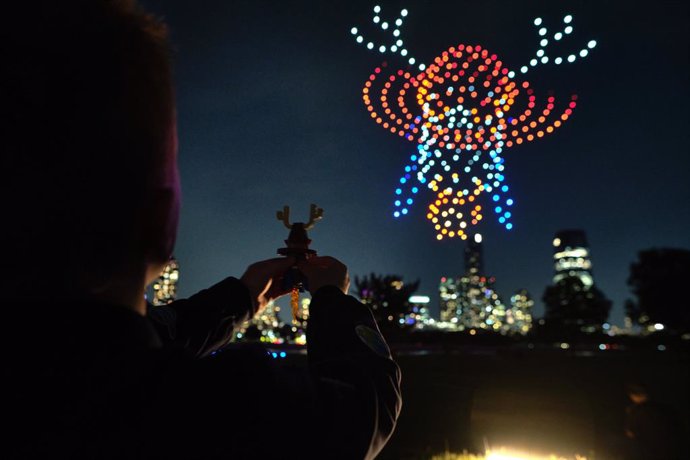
(448, 291)
(164, 288)
(571, 257)
(470, 301)
(520, 313)
(419, 315)
(267, 325)
(474, 258)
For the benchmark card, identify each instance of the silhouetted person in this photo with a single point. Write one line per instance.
(651, 427)
(90, 195)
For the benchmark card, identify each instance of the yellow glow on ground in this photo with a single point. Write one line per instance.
(503, 454)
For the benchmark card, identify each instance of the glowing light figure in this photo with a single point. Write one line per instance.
(567, 30)
(462, 112)
(397, 46)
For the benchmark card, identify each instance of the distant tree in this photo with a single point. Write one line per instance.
(657, 279)
(573, 308)
(387, 295)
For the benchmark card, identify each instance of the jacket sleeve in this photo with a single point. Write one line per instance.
(205, 321)
(356, 381)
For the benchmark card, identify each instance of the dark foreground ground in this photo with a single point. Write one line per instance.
(545, 400)
(527, 397)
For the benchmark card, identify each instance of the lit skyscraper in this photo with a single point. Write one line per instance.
(165, 286)
(470, 301)
(448, 290)
(266, 325)
(571, 257)
(474, 260)
(419, 315)
(520, 319)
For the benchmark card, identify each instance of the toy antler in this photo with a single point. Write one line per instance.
(284, 215)
(315, 214)
(397, 46)
(542, 58)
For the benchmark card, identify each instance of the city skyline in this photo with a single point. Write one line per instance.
(270, 114)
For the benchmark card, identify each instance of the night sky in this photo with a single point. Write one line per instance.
(270, 113)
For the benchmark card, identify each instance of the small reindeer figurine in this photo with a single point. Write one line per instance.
(297, 246)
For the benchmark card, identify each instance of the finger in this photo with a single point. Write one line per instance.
(275, 294)
(277, 291)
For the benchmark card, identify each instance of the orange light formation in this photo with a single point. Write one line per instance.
(462, 111)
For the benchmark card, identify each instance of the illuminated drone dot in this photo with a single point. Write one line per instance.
(591, 44)
(384, 25)
(571, 58)
(396, 32)
(537, 21)
(376, 19)
(509, 226)
(542, 31)
(451, 138)
(370, 45)
(353, 31)
(403, 13)
(360, 39)
(396, 214)
(584, 53)
(377, 9)
(568, 19)
(568, 29)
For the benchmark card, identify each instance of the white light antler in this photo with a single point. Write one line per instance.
(542, 58)
(397, 46)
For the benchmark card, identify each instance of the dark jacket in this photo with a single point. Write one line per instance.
(87, 380)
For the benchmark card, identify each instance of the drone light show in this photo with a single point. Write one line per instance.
(463, 110)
